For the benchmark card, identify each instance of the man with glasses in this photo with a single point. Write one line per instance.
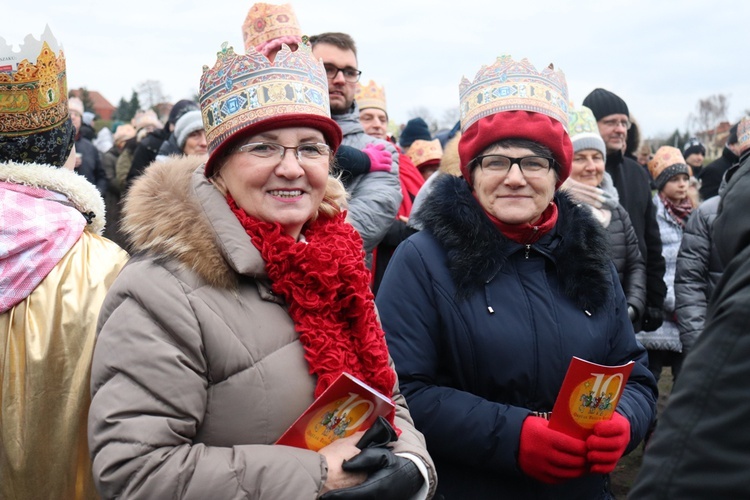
(375, 196)
(634, 188)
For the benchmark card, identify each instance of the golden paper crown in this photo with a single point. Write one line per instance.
(422, 151)
(266, 21)
(668, 160)
(33, 86)
(510, 85)
(370, 96)
(241, 90)
(743, 134)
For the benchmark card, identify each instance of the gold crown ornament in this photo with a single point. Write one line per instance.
(510, 85)
(240, 91)
(421, 152)
(33, 86)
(266, 21)
(370, 96)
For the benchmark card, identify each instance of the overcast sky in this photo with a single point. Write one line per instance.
(660, 56)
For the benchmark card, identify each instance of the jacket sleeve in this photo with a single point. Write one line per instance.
(457, 425)
(691, 283)
(656, 289)
(374, 201)
(635, 267)
(149, 389)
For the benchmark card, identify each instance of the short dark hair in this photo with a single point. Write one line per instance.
(732, 139)
(340, 40)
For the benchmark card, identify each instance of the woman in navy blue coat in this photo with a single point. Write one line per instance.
(484, 309)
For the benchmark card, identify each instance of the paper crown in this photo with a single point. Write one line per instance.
(241, 90)
(581, 121)
(509, 85)
(33, 86)
(266, 21)
(666, 163)
(421, 151)
(370, 96)
(743, 134)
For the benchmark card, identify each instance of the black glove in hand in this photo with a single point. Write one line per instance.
(653, 318)
(388, 476)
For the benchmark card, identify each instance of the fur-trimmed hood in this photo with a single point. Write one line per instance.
(477, 251)
(81, 194)
(173, 212)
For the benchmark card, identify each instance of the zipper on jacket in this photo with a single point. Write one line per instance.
(528, 249)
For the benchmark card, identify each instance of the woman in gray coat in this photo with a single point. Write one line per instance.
(247, 298)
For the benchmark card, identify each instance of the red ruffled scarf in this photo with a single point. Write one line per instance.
(678, 211)
(526, 233)
(326, 285)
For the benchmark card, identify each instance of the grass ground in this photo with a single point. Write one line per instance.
(627, 468)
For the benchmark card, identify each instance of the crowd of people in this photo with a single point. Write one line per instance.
(173, 295)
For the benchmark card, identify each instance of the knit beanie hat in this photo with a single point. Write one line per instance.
(416, 128)
(666, 163)
(584, 132)
(536, 127)
(604, 103)
(180, 108)
(186, 125)
(693, 146)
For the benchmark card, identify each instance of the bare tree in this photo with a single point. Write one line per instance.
(425, 114)
(150, 93)
(710, 112)
(450, 117)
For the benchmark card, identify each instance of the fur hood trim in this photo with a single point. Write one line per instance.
(81, 193)
(163, 217)
(477, 251)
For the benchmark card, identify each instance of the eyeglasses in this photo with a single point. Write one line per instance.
(532, 167)
(307, 153)
(351, 75)
(614, 122)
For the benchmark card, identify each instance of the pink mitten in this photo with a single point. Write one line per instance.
(550, 456)
(607, 444)
(380, 159)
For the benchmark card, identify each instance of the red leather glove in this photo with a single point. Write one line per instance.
(607, 444)
(550, 456)
(380, 159)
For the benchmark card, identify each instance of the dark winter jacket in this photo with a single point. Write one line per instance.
(145, 153)
(482, 330)
(713, 173)
(701, 447)
(631, 268)
(91, 166)
(634, 187)
(698, 271)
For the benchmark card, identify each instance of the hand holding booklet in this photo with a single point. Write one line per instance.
(589, 394)
(348, 405)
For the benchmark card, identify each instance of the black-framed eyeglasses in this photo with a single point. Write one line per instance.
(306, 153)
(351, 75)
(531, 166)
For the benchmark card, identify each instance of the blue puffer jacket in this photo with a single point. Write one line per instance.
(482, 330)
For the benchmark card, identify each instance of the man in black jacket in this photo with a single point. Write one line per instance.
(714, 171)
(633, 185)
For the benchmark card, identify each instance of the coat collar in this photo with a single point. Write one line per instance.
(477, 251)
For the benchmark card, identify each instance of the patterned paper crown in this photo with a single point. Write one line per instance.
(581, 121)
(370, 96)
(508, 85)
(33, 86)
(241, 90)
(266, 21)
(421, 151)
(743, 134)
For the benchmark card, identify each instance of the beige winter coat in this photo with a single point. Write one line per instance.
(198, 368)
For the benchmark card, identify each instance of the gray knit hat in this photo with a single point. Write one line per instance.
(186, 125)
(604, 103)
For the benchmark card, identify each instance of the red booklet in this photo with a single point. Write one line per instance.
(589, 394)
(348, 405)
